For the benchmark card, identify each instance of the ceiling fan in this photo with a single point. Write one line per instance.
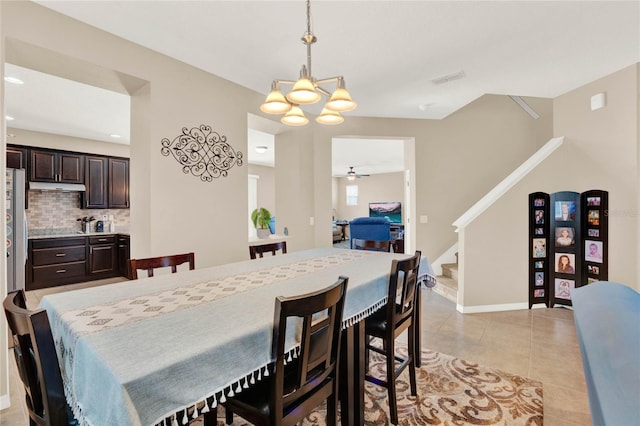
(351, 174)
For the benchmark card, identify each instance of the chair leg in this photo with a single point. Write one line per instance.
(210, 418)
(228, 415)
(391, 381)
(332, 413)
(412, 363)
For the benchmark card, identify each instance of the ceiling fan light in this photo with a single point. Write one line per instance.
(275, 102)
(295, 117)
(341, 101)
(303, 92)
(329, 117)
(351, 176)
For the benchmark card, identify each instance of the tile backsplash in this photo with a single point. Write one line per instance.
(50, 210)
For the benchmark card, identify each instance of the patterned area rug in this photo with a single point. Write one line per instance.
(451, 391)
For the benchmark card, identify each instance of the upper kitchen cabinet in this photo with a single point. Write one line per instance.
(107, 183)
(118, 183)
(96, 181)
(56, 166)
(16, 157)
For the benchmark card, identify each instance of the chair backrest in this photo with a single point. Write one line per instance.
(258, 250)
(403, 281)
(320, 314)
(369, 228)
(373, 245)
(37, 361)
(151, 263)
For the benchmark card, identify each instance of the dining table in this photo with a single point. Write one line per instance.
(149, 351)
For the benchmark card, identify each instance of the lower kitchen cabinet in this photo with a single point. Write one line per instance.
(124, 255)
(67, 260)
(102, 256)
(56, 261)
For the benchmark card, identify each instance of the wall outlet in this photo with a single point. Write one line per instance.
(424, 218)
(312, 220)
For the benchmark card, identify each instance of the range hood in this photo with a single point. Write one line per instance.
(57, 186)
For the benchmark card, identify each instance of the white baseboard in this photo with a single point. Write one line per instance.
(491, 308)
(5, 401)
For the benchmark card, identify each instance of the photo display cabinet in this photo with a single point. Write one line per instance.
(568, 244)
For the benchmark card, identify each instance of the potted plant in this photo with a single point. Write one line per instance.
(260, 218)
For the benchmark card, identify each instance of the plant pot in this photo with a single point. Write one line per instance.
(263, 233)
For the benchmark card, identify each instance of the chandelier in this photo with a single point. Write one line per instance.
(307, 90)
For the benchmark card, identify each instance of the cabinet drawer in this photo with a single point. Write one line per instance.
(107, 239)
(64, 272)
(57, 242)
(50, 256)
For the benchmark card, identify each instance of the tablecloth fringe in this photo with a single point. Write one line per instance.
(183, 415)
(360, 316)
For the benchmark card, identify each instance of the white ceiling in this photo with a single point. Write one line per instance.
(388, 51)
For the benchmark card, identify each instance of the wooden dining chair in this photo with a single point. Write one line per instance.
(258, 250)
(37, 363)
(389, 322)
(151, 263)
(294, 390)
(373, 245)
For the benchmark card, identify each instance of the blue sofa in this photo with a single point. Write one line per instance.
(607, 318)
(369, 228)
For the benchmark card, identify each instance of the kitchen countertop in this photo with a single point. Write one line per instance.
(67, 233)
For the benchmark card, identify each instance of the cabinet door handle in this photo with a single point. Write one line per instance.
(102, 239)
(61, 271)
(61, 254)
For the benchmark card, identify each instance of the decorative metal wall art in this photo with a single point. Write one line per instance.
(202, 152)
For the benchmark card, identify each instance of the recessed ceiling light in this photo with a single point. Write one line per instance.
(9, 118)
(13, 80)
(115, 136)
(261, 149)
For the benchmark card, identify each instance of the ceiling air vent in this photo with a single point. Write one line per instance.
(449, 77)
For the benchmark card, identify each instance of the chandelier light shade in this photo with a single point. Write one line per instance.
(275, 103)
(295, 117)
(308, 90)
(329, 117)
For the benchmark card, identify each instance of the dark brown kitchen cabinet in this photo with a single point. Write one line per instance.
(102, 256)
(56, 261)
(56, 166)
(16, 157)
(107, 183)
(118, 183)
(96, 183)
(124, 255)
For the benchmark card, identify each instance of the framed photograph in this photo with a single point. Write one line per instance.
(539, 247)
(593, 233)
(593, 217)
(539, 217)
(593, 251)
(565, 210)
(538, 293)
(539, 231)
(539, 279)
(539, 264)
(565, 263)
(538, 202)
(563, 288)
(593, 269)
(593, 201)
(565, 236)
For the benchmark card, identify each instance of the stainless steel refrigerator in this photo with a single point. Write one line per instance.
(16, 229)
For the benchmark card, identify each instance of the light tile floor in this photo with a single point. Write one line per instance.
(539, 343)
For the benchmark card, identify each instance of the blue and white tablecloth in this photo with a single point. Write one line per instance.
(136, 352)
